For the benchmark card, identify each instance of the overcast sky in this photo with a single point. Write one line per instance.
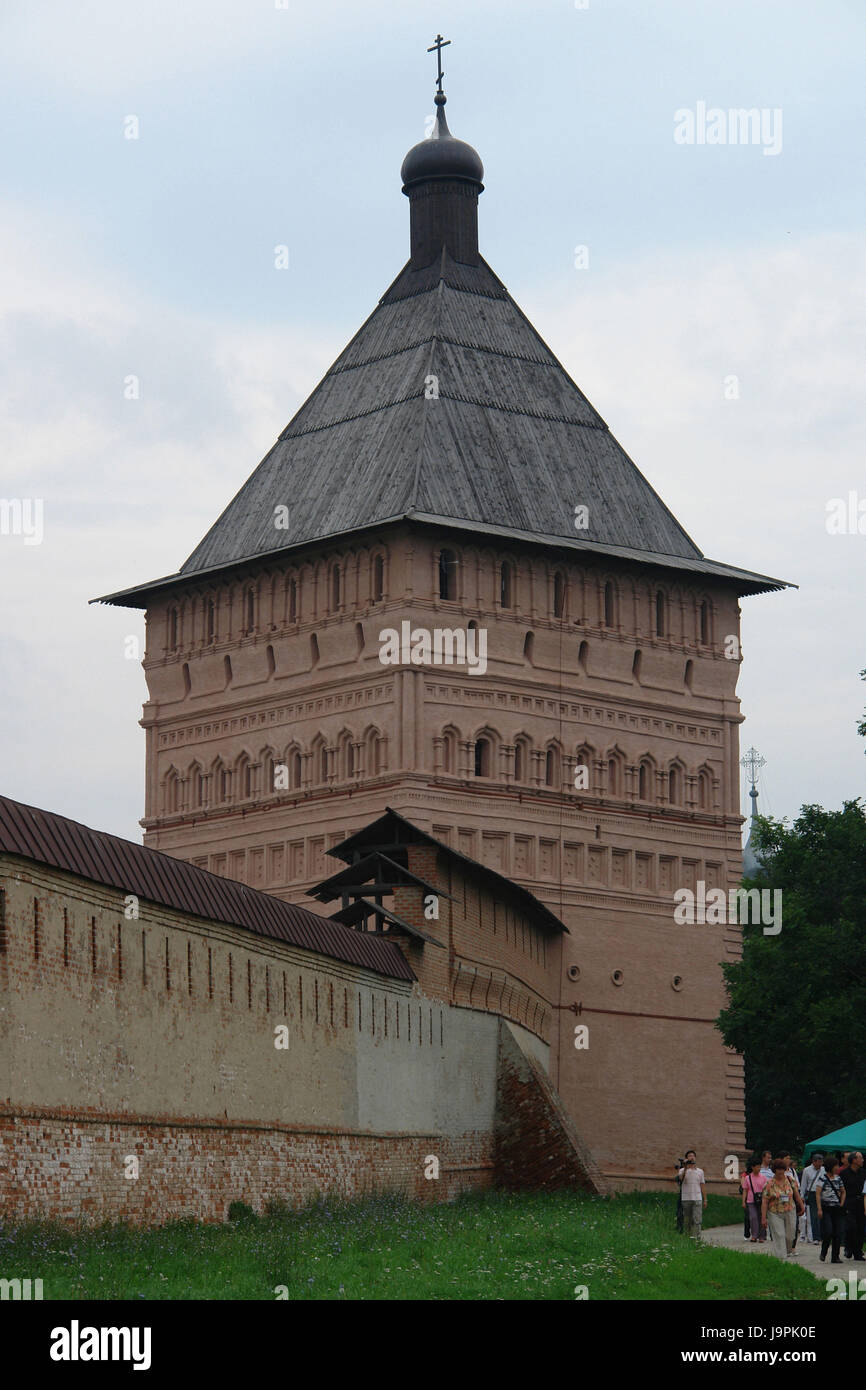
(261, 126)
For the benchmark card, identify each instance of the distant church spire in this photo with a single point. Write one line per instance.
(442, 178)
(752, 762)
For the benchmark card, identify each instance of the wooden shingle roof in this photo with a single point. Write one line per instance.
(447, 407)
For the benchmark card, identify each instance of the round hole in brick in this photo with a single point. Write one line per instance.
(574, 972)
(676, 982)
(618, 977)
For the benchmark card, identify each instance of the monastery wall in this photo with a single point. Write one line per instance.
(155, 1039)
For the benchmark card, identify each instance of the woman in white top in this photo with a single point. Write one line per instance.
(808, 1188)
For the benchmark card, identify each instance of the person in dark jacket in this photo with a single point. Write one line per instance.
(853, 1178)
(830, 1197)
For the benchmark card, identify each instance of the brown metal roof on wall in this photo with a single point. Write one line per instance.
(154, 877)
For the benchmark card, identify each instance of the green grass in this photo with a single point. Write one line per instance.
(491, 1246)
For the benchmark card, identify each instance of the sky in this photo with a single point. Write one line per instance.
(709, 298)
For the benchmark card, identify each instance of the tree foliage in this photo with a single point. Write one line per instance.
(797, 1001)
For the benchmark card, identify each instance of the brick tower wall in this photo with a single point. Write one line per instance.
(565, 672)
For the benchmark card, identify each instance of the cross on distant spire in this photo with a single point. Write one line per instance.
(438, 47)
(753, 762)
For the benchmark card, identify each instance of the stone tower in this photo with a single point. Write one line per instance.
(448, 477)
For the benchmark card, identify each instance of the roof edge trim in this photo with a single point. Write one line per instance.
(756, 583)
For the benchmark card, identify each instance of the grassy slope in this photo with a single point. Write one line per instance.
(530, 1246)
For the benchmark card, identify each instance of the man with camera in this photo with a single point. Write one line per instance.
(693, 1193)
(678, 1168)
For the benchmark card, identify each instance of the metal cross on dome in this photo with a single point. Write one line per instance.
(438, 47)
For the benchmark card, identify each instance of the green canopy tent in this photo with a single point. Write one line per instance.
(851, 1137)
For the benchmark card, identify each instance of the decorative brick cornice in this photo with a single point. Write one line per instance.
(175, 731)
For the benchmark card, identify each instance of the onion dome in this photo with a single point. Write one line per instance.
(441, 156)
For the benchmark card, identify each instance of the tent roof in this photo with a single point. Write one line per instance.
(851, 1137)
(506, 446)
